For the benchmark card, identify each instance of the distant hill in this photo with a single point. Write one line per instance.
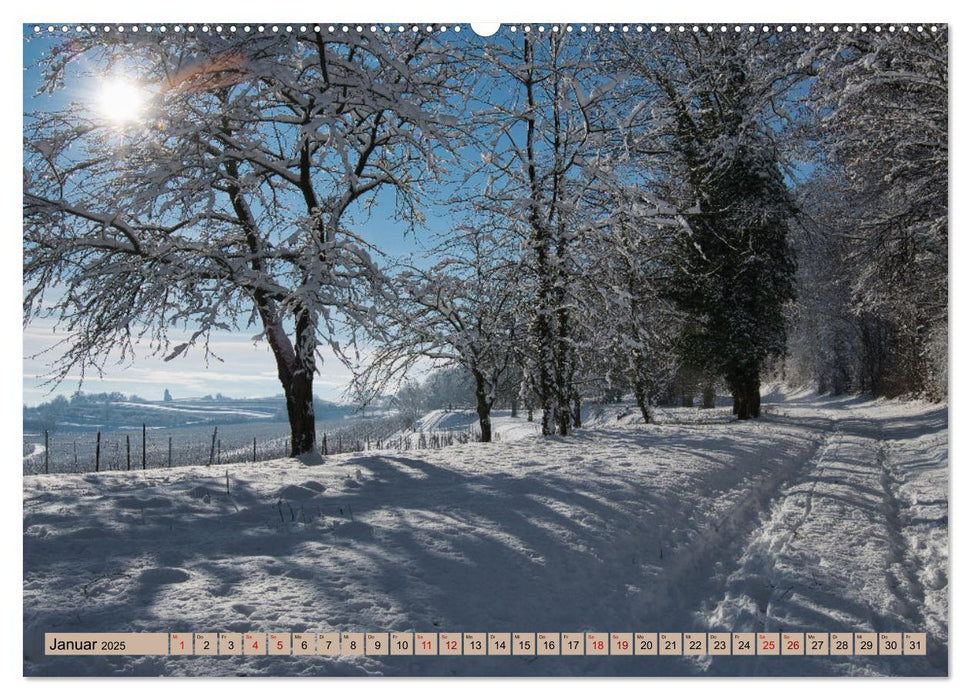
(115, 410)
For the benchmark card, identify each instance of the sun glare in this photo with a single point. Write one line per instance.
(120, 101)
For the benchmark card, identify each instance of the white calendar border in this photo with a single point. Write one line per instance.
(15, 14)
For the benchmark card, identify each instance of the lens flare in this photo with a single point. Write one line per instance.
(121, 101)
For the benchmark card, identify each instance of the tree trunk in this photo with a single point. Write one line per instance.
(748, 398)
(641, 397)
(563, 419)
(483, 407)
(576, 411)
(755, 399)
(708, 395)
(687, 400)
(515, 408)
(295, 369)
(300, 412)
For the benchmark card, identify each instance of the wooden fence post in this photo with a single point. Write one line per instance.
(254, 449)
(47, 454)
(219, 450)
(325, 444)
(127, 453)
(143, 447)
(170, 451)
(97, 452)
(212, 447)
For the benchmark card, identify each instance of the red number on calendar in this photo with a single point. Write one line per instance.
(452, 646)
(623, 645)
(279, 644)
(792, 645)
(598, 645)
(768, 644)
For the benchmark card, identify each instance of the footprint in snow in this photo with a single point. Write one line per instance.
(202, 493)
(296, 493)
(164, 576)
(353, 530)
(244, 609)
(135, 503)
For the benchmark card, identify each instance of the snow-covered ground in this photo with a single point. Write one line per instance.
(825, 515)
(504, 426)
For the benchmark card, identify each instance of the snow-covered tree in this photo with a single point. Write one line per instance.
(636, 326)
(229, 199)
(459, 311)
(542, 131)
(883, 101)
(709, 115)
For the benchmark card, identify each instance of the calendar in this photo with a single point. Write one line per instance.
(486, 643)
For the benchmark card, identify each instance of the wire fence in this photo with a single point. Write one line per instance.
(57, 452)
(143, 447)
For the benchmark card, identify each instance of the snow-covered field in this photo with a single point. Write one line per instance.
(825, 515)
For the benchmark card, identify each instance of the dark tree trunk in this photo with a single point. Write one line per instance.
(576, 411)
(300, 412)
(743, 411)
(687, 400)
(483, 407)
(748, 398)
(755, 399)
(563, 419)
(735, 402)
(529, 412)
(514, 412)
(296, 372)
(641, 397)
(708, 395)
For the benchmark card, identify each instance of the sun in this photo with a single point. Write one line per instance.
(120, 100)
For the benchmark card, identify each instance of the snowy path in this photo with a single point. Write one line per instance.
(824, 515)
(845, 548)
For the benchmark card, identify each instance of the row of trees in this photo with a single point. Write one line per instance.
(873, 234)
(623, 206)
